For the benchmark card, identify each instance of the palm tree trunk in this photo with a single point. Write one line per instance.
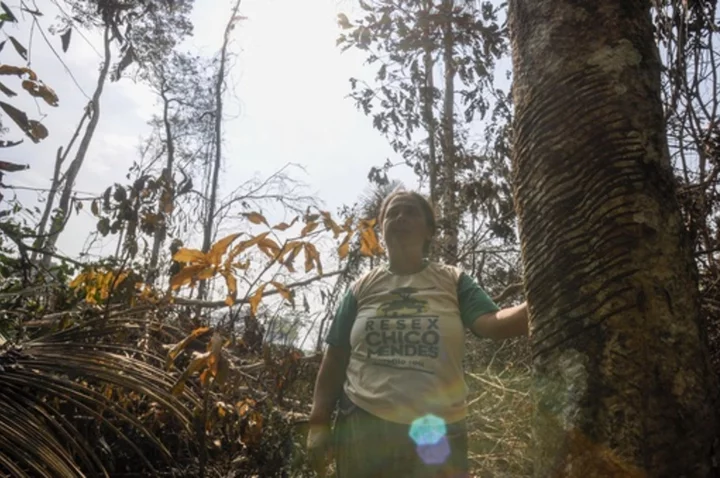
(621, 376)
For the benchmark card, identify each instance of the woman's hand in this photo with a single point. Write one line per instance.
(318, 447)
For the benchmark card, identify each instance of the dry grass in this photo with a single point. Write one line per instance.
(498, 375)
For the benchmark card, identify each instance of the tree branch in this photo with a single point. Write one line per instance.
(221, 303)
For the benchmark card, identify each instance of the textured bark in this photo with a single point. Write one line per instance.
(622, 381)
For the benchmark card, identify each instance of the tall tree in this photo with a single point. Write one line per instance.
(431, 54)
(150, 32)
(622, 379)
(216, 164)
(180, 132)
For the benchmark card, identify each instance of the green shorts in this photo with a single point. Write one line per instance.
(369, 447)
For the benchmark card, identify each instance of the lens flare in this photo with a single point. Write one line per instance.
(435, 454)
(428, 430)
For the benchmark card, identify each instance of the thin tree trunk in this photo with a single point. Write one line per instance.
(210, 219)
(450, 216)
(55, 184)
(60, 218)
(622, 381)
(428, 101)
(167, 176)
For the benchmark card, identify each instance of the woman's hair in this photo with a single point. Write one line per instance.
(424, 204)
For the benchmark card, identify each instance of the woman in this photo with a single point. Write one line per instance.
(394, 358)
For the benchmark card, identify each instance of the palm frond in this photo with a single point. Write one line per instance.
(49, 384)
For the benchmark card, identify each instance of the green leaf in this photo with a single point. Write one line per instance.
(12, 167)
(103, 226)
(34, 129)
(22, 51)
(65, 38)
(7, 14)
(7, 90)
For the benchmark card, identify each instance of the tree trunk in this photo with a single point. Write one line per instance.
(621, 376)
(60, 218)
(167, 185)
(450, 217)
(427, 104)
(210, 219)
(55, 185)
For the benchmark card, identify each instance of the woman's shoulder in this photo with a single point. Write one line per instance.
(368, 277)
(448, 270)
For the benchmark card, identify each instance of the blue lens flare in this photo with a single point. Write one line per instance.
(435, 454)
(428, 430)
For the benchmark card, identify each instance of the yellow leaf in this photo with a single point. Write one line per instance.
(330, 224)
(38, 130)
(284, 291)
(40, 90)
(180, 346)
(185, 276)
(206, 273)
(255, 299)
(189, 256)
(255, 217)
(196, 364)
(297, 247)
(244, 406)
(231, 282)
(229, 300)
(365, 249)
(309, 227)
(218, 249)
(312, 257)
(16, 70)
(269, 247)
(283, 226)
(368, 223)
(344, 249)
(369, 244)
(241, 246)
(78, 281)
(205, 377)
(120, 278)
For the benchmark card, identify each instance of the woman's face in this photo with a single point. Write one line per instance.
(404, 223)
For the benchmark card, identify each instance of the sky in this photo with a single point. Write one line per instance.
(287, 104)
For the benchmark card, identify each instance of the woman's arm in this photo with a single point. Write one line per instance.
(329, 383)
(503, 324)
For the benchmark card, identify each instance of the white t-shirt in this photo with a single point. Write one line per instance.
(407, 341)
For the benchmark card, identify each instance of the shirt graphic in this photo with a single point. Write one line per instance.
(403, 329)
